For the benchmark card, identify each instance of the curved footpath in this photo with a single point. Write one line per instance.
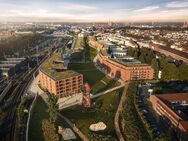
(73, 126)
(119, 110)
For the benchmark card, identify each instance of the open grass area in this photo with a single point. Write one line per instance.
(131, 123)
(90, 53)
(104, 111)
(79, 42)
(98, 80)
(38, 113)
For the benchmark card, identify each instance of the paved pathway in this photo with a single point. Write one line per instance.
(107, 91)
(119, 110)
(73, 126)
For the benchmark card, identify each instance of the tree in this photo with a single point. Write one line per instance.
(154, 65)
(170, 72)
(142, 58)
(2, 114)
(52, 108)
(49, 131)
(183, 72)
(162, 137)
(136, 55)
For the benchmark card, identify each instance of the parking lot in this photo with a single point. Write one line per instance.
(145, 109)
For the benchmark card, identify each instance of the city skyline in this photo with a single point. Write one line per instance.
(93, 11)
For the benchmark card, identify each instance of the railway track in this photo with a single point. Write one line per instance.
(15, 97)
(8, 132)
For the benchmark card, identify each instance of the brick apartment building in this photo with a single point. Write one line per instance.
(125, 71)
(176, 54)
(173, 109)
(57, 80)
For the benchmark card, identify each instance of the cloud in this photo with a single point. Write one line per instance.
(146, 9)
(79, 7)
(177, 4)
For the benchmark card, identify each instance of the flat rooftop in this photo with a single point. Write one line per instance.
(54, 68)
(128, 63)
(177, 102)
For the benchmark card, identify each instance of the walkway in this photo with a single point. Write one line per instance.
(107, 91)
(119, 110)
(33, 88)
(73, 126)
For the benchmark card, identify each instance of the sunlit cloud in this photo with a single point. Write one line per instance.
(93, 10)
(177, 4)
(147, 9)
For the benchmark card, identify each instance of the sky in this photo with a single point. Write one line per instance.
(93, 10)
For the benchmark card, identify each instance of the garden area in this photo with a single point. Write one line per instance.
(38, 113)
(130, 121)
(104, 110)
(99, 81)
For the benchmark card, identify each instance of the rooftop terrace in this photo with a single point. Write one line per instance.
(54, 68)
(128, 63)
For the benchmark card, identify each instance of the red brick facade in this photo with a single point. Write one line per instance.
(176, 54)
(61, 87)
(126, 73)
(161, 106)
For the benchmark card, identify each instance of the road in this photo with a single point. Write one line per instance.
(120, 108)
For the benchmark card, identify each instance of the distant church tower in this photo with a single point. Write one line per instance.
(185, 24)
(110, 24)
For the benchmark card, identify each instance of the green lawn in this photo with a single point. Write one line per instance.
(104, 111)
(38, 113)
(130, 121)
(98, 80)
(90, 53)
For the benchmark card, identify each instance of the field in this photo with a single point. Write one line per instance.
(79, 42)
(98, 80)
(104, 110)
(38, 113)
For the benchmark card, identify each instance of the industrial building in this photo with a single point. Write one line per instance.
(173, 110)
(59, 81)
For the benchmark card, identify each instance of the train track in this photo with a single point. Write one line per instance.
(14, 96)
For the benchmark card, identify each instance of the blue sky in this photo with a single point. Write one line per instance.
(93, 10)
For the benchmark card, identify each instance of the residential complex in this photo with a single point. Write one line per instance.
(172, 109)
(58, 80)
(121, 66)
(159, 46)
(124, 71)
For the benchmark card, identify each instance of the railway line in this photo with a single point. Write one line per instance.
(13, 97)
